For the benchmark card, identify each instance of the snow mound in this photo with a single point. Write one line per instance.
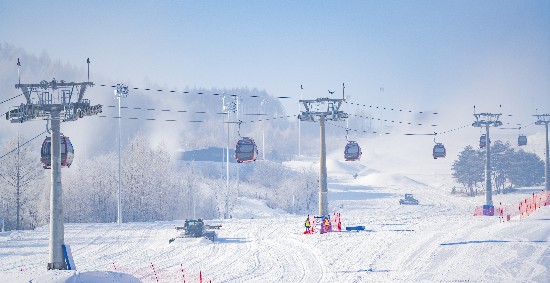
(343, 168)
(66, 276)
(248, 208)
(387, 180)
(299, 165)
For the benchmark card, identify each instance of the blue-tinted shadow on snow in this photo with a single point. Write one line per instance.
(543, 219)
(490, 241)
(365, 270)
(338, 191)
(371, 230)
(232, 240)
(23, 253)
(347, 187)
(359, 231)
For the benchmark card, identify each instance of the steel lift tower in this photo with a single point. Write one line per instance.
(331, 112)
(544, 119)
(57, 101)
(487, 120)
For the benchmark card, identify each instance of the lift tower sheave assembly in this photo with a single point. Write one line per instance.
(326, 109)
(544, 119)
(58, 101)
(487, 120)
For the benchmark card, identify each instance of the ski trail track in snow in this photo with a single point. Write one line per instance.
(436, 241)
(265, 253)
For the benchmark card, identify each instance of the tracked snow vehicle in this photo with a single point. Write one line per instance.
(195, 228)
(409, 199)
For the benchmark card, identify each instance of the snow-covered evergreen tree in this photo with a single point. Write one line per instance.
(467, 169)
(508, 167)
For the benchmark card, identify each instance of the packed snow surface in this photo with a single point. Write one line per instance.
(438, 240)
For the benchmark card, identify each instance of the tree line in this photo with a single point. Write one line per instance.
(154, 188)
(510, 168)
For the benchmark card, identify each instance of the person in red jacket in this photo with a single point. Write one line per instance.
(326, 223)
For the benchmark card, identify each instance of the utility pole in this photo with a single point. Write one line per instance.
(487, 120)
(227, 171)
(58, 101)
(263, 112)
(300, 124)
(3, 213)
(18, 185)
(237, 167)
(331, 113)
(544, 119)
(228, 107)
(120, 92)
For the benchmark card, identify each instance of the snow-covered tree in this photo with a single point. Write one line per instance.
(527, 169)
(468, 169)
(508, 167)
(281, 184)
(502, 155)
(19, 172)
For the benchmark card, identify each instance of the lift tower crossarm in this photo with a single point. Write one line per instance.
(47, 101)
(332, 111)
(28, 89)
(483, 119)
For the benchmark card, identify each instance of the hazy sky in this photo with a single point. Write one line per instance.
(426, 55)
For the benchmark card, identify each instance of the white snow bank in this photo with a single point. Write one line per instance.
(69, 276)
(386, 180)
(336, 169)
(302, 164)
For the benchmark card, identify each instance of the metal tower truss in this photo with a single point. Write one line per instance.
(332, 111)
(55, 101)
(321, 114)
(487, 120)
(544, 119)
(47, 97)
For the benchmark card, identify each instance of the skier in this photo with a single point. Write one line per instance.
(308, 225)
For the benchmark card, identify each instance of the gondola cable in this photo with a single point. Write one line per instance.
(391, 109)
(10, 98)
(23, 144)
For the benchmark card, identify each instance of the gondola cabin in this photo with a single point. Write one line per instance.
(439, 151)
(522, 140)
(482, 141)
(67, 152)
(352, 152)
(246, 150)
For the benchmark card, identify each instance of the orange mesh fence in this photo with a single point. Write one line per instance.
(523, 209)
(536, 201)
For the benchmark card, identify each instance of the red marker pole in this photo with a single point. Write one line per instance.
(182, 273)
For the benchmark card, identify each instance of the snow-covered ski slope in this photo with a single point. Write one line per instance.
(436, 241)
